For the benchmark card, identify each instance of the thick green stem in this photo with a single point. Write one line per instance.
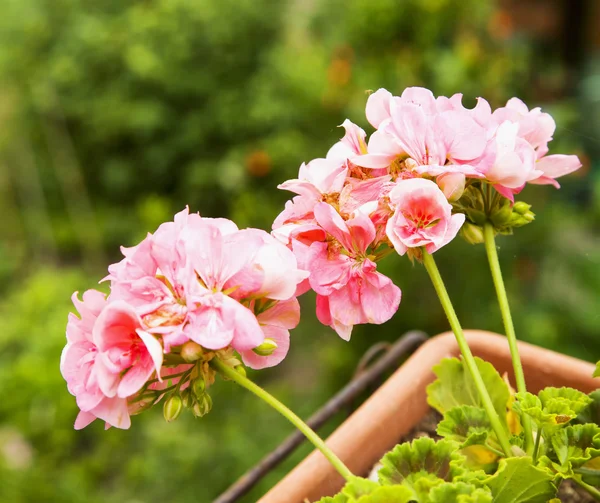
(233, 375)
(509, 328)
(536, 447)
(469, 360)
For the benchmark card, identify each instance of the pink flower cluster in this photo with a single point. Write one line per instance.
(395, 190)
(195, 279)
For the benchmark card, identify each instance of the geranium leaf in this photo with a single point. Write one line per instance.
(359, 490)
(422, 465)
(338, 498)
(388, 494)
(465, 424)
(518, 481)
(591, 414)
(553, 408)
(597, 370)
(357, 487)
(454, 387)
(576, 400)
(460, 492)
(577, 445)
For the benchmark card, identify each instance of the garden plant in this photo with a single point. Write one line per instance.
(200, 299)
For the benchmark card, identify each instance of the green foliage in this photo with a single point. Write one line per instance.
(553, 407)
(597, 370)
(465, 424)
(577, 444)
(460, 492)
(455, 387)
(360, 490)
(519, 481)
(422, 465)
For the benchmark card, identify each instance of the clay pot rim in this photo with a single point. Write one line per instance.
(400, 403)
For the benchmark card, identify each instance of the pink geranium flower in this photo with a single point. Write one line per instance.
(349, 289)
(513, 162)
(189, 281)
(79, 366)
(422, 216)
(127, 354)
(411, 127)
(535, 126)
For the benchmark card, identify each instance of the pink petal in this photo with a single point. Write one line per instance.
(302, 188)
(114, 411)
(281, 336)
(378, 107)
(421, 97)
(135, 377)
(84, 419)
(155, 350)
(380, 298)
(115, 324)
(333, 223)
(456, 222)
(557, 165)
(506, 192)
(284, 314)
(327, 273)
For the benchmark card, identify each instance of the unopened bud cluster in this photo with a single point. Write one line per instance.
(481, 205)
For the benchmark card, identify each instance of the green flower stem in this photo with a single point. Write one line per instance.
(233, 375)
(536, 447)
(590, 489)
(492, 254)
(440, 289)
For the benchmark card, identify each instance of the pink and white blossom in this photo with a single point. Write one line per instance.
(422, 217)
(349, 289)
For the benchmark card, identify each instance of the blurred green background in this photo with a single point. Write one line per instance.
(114, 115)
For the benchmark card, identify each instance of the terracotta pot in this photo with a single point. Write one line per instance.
(399, 404)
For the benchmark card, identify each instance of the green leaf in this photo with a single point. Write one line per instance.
(422, 465)
(576, 445)
(597, 370)
(359, 490)
(454, 387)
(466, 424)
(338, 498)
(576, 400)
(460, 492)
(518, 481)
(553, 408)
(388, 494)
(357, 487)
(591, 414)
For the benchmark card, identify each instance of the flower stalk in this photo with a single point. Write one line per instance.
(469, 360)
(492, 254)
(235, 376)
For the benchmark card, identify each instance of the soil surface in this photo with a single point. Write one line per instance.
(569, 492)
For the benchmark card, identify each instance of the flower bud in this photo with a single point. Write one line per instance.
(521, 207)
(471, 233)
(191, 351)
(452, 185)
(476, 216)
(202, 406)
(172, 408)
(267, 348)
(240, 369)
(199, 387)
(521, 220)
(501, 217)
(187, 397)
